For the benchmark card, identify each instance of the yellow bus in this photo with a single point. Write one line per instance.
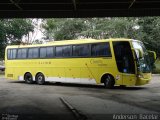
(109, 61)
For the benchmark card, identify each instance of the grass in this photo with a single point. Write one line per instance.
(156, 70)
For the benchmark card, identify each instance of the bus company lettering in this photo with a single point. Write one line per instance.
(44, 62)
(96, 61)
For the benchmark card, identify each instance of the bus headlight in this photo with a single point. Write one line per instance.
(140, 76)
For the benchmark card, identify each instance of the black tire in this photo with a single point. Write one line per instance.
(28, 78)
(109, 82)
(40, 79)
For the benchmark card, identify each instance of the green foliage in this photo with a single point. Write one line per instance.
(146, 29)
(17, 28)
(150, 27)
(60, 29)
(99, 28)
(156, 70)
(12, 31)
(2, 38)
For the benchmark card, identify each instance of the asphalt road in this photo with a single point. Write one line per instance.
(30, 101)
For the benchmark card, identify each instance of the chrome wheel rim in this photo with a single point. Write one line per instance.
(40, 79)
(28, 78)
(107, 80)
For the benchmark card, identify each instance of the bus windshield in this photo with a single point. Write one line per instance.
(143, 63)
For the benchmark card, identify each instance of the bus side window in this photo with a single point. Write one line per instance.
(22, 53)
(50, 52)
(59, 51)
(67, 51)
(101, 49)
(43, 52)
(13, 53)
(33, 53)
(81, 50)
(8, 54)
(63, 51)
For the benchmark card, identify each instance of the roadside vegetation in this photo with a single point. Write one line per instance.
(146, 29)
(156, 70)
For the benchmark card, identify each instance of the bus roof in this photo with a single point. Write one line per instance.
(68, 42)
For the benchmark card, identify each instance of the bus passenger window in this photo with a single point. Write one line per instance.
(63, 51)
(58, 51)
(12, 53)
(101, 49)
(66, 51)
(50, 52)
(8, 54)
(81, 50)
(43, 52)
(33, 53)
(22, 53)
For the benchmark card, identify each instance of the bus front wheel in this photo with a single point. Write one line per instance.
(28, 78)
(40, 79)
(109, 82)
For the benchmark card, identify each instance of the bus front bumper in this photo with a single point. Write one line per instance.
(143, 79)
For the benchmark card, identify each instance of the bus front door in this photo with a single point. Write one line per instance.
(125, 61)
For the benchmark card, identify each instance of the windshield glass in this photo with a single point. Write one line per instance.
(143, 63)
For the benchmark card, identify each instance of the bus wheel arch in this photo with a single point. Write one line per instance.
(40, 78)
(28, 78)
(108, 80)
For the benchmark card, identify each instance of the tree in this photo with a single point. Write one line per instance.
(17, 28)
(99, 28)
(60, 29)
(150, 27)
(12, 31)
(102, 28)
(145, 29)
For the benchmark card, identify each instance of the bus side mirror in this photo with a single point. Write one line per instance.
(138, 53)
(152, 56)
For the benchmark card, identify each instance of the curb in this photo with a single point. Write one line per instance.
(76, 113)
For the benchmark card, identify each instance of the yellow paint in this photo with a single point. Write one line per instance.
(91, 68)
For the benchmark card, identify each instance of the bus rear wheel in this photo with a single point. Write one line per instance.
(109, 82)
(28, 78)
(40, 79)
